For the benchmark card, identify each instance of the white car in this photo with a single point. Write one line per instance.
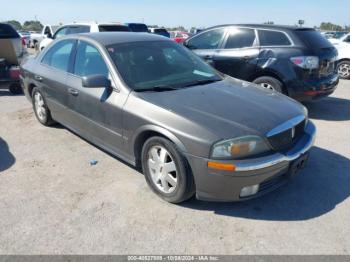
(77, 28)
(47, 32)
(344, 39)
(343, 63)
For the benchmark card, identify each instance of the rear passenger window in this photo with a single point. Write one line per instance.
(273, 38)
(89, 61)
(207, 40)
(240, 38)
(58, 55)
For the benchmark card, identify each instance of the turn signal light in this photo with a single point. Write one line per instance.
(221, 166)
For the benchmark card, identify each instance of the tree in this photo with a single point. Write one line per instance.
(330, 27)
(15, 24)
(32, 26)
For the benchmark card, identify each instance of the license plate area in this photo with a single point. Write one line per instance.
(297, 165)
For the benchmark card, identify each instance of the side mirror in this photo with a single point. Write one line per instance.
(96, 81)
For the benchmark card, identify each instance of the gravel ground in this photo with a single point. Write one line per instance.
(53, 202)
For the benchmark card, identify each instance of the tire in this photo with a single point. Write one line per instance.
(270, 83)
(174, 186)
(40, 108)
(15, 89)
(343, 69)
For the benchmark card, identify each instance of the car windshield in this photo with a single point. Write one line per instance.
(157, 65)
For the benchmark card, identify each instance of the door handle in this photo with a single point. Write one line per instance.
(73, 91)
(38, 78)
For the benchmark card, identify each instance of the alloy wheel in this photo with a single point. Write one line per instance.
(40, 106)
(344, 70)
(162, 169)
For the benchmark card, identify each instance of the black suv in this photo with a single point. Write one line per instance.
(298, 62)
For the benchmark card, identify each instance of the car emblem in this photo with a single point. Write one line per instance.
(293, 132)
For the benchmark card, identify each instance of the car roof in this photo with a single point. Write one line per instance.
(266, 26)
(109, 38)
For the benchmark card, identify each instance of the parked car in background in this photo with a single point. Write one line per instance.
(47, 32)
(295, 61)
(78, 28)
(159, 31)
(157, 105)
(343, 63)
(344, 39)
(12, 51)
(179, 37)
(25, 35)
(138, 27)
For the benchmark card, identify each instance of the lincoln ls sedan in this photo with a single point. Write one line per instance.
(156, 105)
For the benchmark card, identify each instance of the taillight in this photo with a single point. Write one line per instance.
(23, 41)
(306, 62)
(14, 72)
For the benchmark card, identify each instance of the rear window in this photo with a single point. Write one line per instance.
(138, 27)
(313, 39)
(273, 38)
(79, 29)
(7, 31)
(113, 28)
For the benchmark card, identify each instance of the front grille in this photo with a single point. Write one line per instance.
(286, 139)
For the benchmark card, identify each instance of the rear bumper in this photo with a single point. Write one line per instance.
(313, 89)
(268, 172)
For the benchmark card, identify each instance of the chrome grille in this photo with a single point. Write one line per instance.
(288, 136)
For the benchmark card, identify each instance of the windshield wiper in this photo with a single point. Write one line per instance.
(202, 82)
(159, 88)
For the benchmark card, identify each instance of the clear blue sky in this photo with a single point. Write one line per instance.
(199, 13)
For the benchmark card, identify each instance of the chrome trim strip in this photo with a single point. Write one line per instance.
(278, 157)
(286, 125)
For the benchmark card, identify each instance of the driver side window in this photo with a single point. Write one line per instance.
(207, 40)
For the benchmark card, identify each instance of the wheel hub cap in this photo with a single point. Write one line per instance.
(162, 169)
(344, 70)
(267, 86)
(39, 106)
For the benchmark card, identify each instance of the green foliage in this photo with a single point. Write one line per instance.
(15, 24)
(32, 26)
(330, 27)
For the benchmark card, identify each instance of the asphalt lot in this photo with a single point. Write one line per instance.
(53, 202)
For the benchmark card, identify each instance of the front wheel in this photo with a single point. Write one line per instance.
(41, 110)
(269, 83)
(166, 170)
(343, 69)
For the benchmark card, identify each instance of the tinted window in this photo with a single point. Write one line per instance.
(207, 40)
(7, 31)
(240, 37)
(113, 28)
(313, 39)
(273, 38)
(138, 27)
(47, 31)
(89, 61)
(347, 39)
(59, 54)
(160, 30)
(79, 29)
(144, 65)
(61, 32)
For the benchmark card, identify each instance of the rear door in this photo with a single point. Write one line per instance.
(207, 44)
(97, 111)
(239, 55)
(51, 76)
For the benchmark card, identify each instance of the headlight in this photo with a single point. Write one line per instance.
(239, 147)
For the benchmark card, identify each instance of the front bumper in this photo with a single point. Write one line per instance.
(269, 172)
(313, 89)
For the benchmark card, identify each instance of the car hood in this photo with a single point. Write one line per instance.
(228, 108)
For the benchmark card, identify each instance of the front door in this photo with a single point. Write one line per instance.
(239, 55)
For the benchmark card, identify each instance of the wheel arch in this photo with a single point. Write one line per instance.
(270, 73)
(148, 131)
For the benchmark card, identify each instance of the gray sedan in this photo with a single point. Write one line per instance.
(156, 105)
